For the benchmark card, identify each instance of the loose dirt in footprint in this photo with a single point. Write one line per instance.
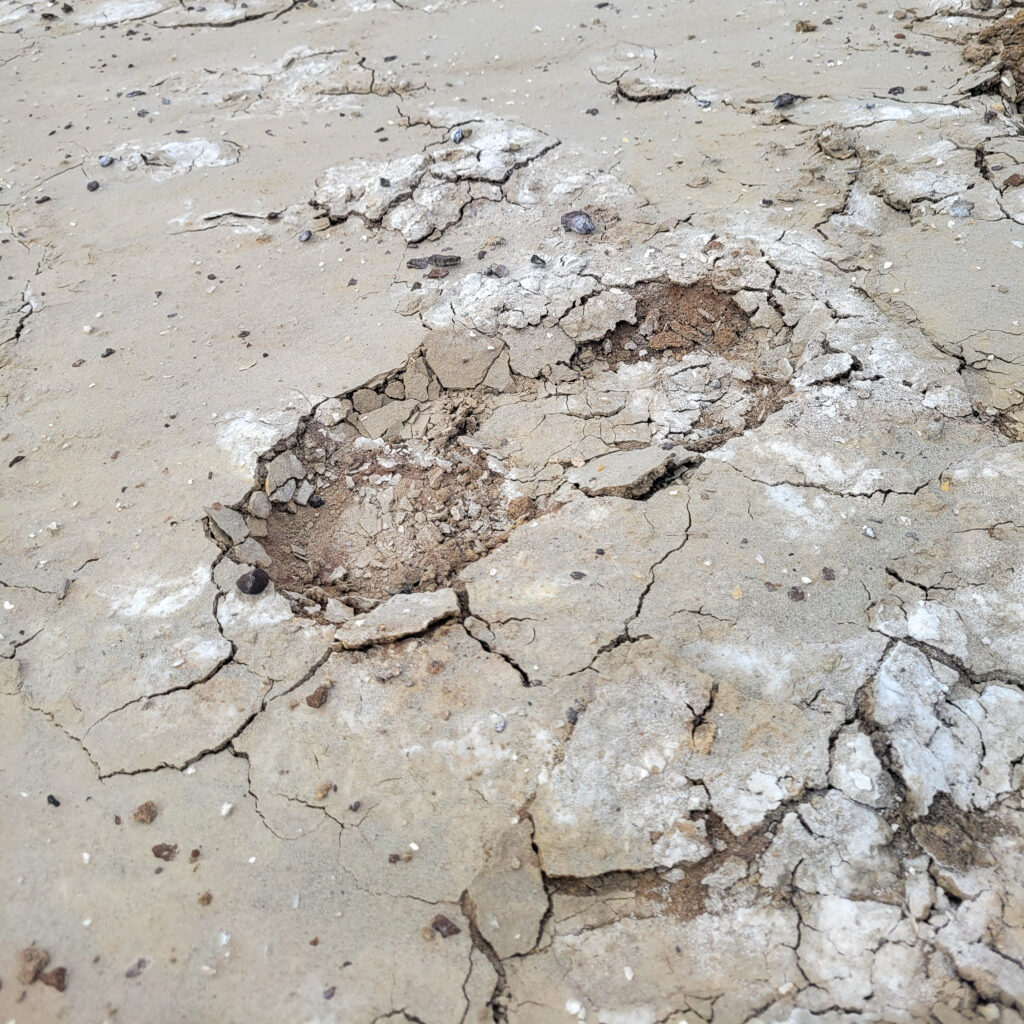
(675, 320)
(1004, 38)
(399, 518)
(408, 512)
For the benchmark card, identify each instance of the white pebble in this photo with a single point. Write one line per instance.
(85, 857)
(87, 329)
(226, 809)
(252, 860)
(628, 972)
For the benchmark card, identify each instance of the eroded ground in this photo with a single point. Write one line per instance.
(417, 609)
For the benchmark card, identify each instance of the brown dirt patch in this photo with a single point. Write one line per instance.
(398, 517)
(1005, 38)
(673, 320)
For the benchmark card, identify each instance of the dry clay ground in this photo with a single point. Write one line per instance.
(416, 610)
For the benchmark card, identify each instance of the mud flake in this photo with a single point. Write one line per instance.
(318, 697)
(145, 813)
(31, 962)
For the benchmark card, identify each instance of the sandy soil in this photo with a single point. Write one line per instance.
(511, 511)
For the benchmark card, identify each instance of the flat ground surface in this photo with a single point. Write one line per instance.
(419, 605)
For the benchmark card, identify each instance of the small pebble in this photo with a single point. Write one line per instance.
(329, 992)
(385, 183)
(499, 725)
(254, 581)
(316, 500)
(577, 575)
(896, 90)
(538, 262)
(92, 186)
(496, 270)
(444, 927)
(305, 236)
(53, 801)
(796, 594)
(106, 352)
(592, 111)
(784, 99)
(456, 135)
(444, 259)
(571, 715)
(579, 222)
(106, 161)
(868, 532)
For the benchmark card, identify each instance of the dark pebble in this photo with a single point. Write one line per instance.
(598, 551)
(571, 715)
(355, 806)
(92, 186)
(767, 202)
(796, 594)
(388, 60)
(436, 272)
(417, 263)
(896, 90)
(305, 236)
(135, 92)
(41, 200)
(53, 801)
(538, 262)
(106, 161)
(444, 927)
(57, 978)
(316, 501)
(394, 858)
(352, 282)
(142, 113)
(592, 111)
(253, 582)
(496, 270)
(444, 259)
(828, 574)
(106, 352)
(165, 851)
(385, 183)
(482, 254)
(15, 460)
(704, 104)
(784, 99)
(579, 222)
(577, 575)
(329, 992)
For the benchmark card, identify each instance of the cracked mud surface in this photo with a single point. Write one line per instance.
(641, 631)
